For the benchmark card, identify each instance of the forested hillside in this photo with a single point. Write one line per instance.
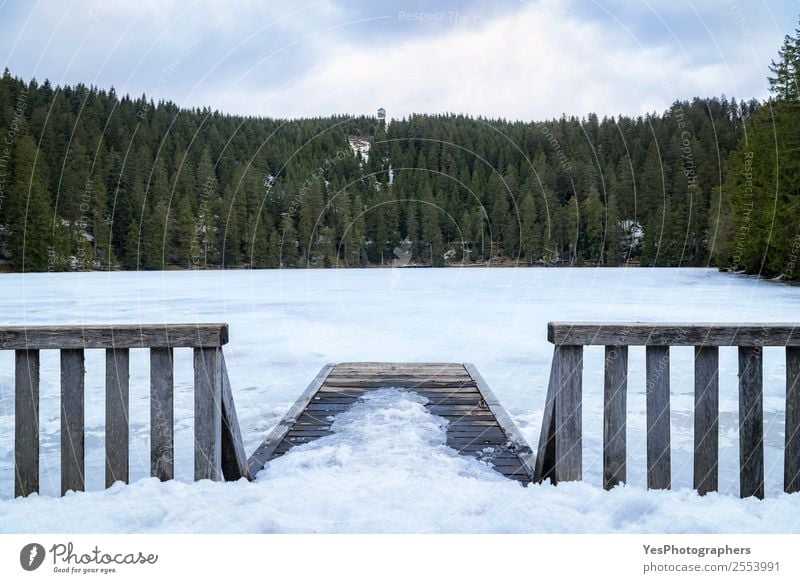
(93, 180)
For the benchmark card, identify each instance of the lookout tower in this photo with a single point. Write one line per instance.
(381, 114)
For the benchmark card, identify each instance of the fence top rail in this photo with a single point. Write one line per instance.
(198, 335)
(673, 334)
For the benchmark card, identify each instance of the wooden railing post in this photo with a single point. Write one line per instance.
(117, 420)
(234, 459)
(72, 420)
(615, 390)
(207, 414)
(791, 460)
(751, 422)
(162, 432)
(545, 462)
(26, 424)
(706, 418)
(568, 413)
(658, 432)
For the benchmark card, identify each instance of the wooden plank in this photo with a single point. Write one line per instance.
(513, 435)
(365, 379)
(486, 431)
(659, 465)
(498, 456)
(316, 432)
(283, 447)
(117, 421)
(468, 417)
(472, 422)
(234, 458)
(162, 439)
(475, 442)
(72, 421)
(399, 372)
(389, 366)
(264, 452)
(751, 422)
(494, 431)
(26, 424)
(546, 451)
(472, 399)
(317, 408)
(791, 461)
(615, 391)
(568, 414)
(399, 383)
(112, 336)
(469, 390)
(207, 414)
(706, 418)
(673, 334)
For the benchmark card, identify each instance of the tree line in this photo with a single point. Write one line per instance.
(93, 180)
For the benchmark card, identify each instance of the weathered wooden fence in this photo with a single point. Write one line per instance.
(218, 448)
(559, 454)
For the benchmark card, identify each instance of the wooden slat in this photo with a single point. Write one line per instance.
(117, 420)
(207, 414)
(568, 414)
(390, 366)
(72, 421)
(706, 418)
(430, 392)
(26, 425)
(513, 435)
(162, 440)
(234, 459)
(545, 461)
(264, 452)
(466, 416)
(401, 375)
(317, 408)
(399, 383)
(472, 399)
(672, 334)
(112, 336)
(614, 412)
(791, 462)
(751, 423)
(478, 442)
(659, 468)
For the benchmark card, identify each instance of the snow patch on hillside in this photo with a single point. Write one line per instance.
(360, 145)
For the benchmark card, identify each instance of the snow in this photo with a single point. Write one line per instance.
(386, 468)
(361, 146)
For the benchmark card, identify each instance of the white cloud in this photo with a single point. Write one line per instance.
(282, 58)
(536, 63)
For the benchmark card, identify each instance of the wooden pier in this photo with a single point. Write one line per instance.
(478, 425)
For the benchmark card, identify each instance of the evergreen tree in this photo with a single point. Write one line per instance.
(30, 215)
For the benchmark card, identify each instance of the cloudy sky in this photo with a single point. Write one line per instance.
(503, 58)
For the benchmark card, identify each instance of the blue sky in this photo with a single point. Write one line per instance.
(501, 58)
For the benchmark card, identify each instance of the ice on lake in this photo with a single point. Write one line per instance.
(286, 324)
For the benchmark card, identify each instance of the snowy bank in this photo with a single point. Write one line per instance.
(386, 469)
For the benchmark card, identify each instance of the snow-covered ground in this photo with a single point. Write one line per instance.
(386, 468)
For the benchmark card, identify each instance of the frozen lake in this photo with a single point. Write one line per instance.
(285, 324)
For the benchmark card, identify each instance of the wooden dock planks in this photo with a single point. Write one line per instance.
(454, 391)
